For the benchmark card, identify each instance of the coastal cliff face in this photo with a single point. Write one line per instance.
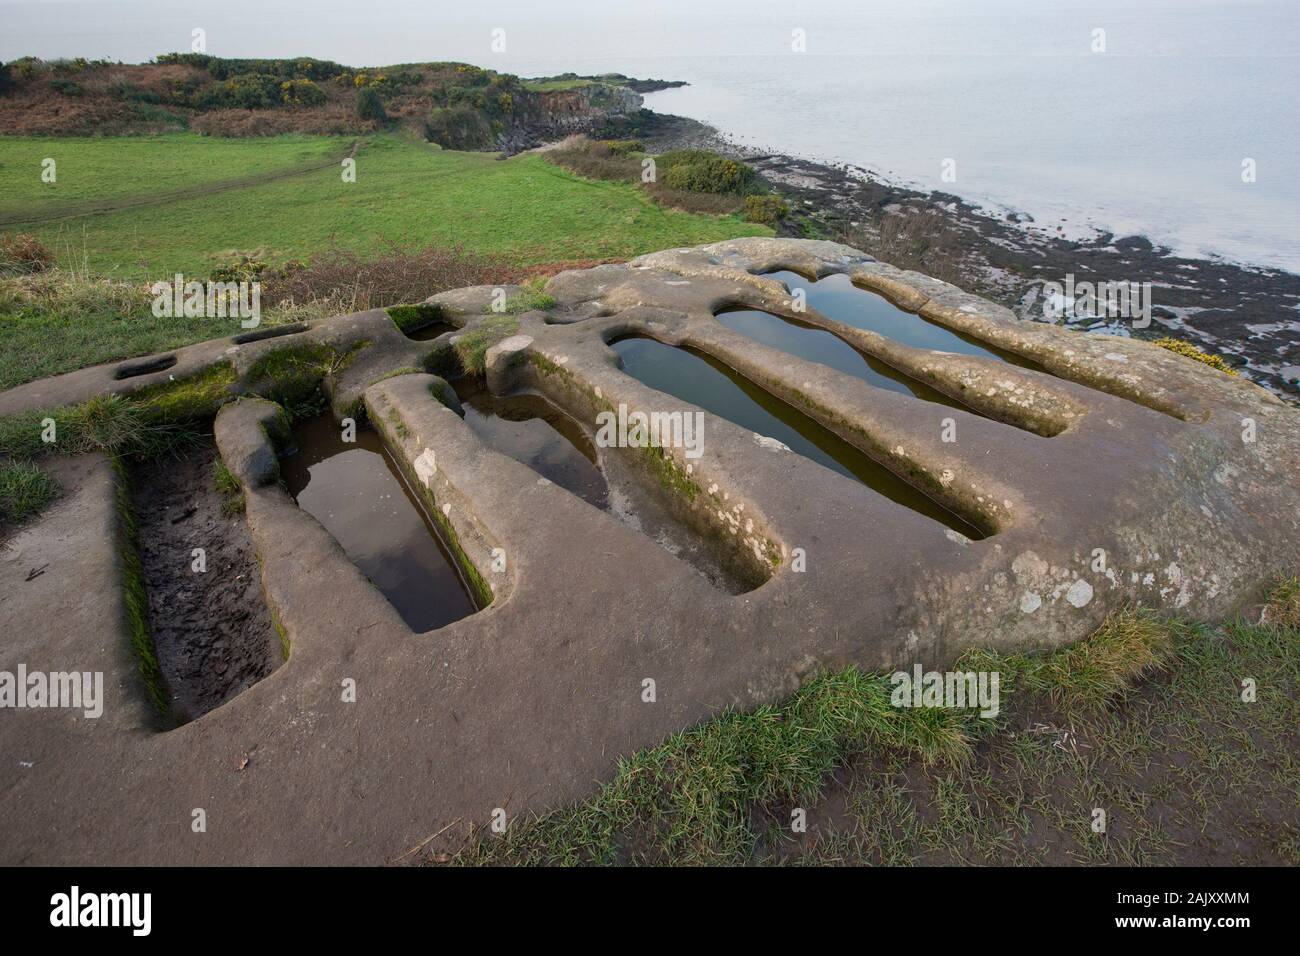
(574, 110)
(559, 113)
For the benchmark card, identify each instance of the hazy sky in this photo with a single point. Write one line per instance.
(569, 32)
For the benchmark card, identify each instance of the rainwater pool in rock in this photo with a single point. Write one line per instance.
(531, 430)
(836, 297)
(704, 381)
(817, 345)
(356, 492)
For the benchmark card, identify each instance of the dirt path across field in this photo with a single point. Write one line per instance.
(78, 210)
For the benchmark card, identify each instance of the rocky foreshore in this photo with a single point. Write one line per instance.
(1250, 316)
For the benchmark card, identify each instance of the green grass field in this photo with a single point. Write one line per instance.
(554, 86)
(405, 191)
(94, 309)
(94, 171)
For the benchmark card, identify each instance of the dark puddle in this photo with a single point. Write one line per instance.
(818, 345)
(836, 297)
(212, 632)
(357, 493)
(531, 430)
(430, 332)
(143, 367)
(706, 382)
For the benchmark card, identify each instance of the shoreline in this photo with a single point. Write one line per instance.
(1249, 315)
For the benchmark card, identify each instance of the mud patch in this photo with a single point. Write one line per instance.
(211, 629)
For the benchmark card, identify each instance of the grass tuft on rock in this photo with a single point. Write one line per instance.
(472, 346)
(412, 318)
(113, 424)
(1282, 606)
(149, 422)
(1087, 676)
(531, 297)
(228, 486)
(701, 797)
(690, 799)
(25, 491)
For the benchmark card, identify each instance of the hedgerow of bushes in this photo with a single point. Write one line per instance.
(700, 171)
(453, 104)
(693, 180)
(458, 127)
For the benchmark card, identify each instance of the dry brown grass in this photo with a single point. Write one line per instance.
(21, 254)
(595, 160)
(715, 204)
(346, 281)
(330, 119)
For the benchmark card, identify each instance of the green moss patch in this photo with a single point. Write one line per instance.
(281, 633)
(228, 486)
(472, 346)
(1187, 350)
(136, 599)
(188, 399)
(410, 318)
(670, 474)
(292, 376)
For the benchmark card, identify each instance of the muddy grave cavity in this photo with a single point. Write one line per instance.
(703, 381)
(356, 491)
(211, 628)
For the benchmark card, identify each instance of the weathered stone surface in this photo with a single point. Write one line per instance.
(1183, 477)
(248, 434)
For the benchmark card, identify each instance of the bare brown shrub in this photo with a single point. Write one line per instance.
(595, 160)
(717, 204)
(21, 254)
(331, 119)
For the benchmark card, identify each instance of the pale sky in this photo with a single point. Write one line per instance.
(567, 33)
